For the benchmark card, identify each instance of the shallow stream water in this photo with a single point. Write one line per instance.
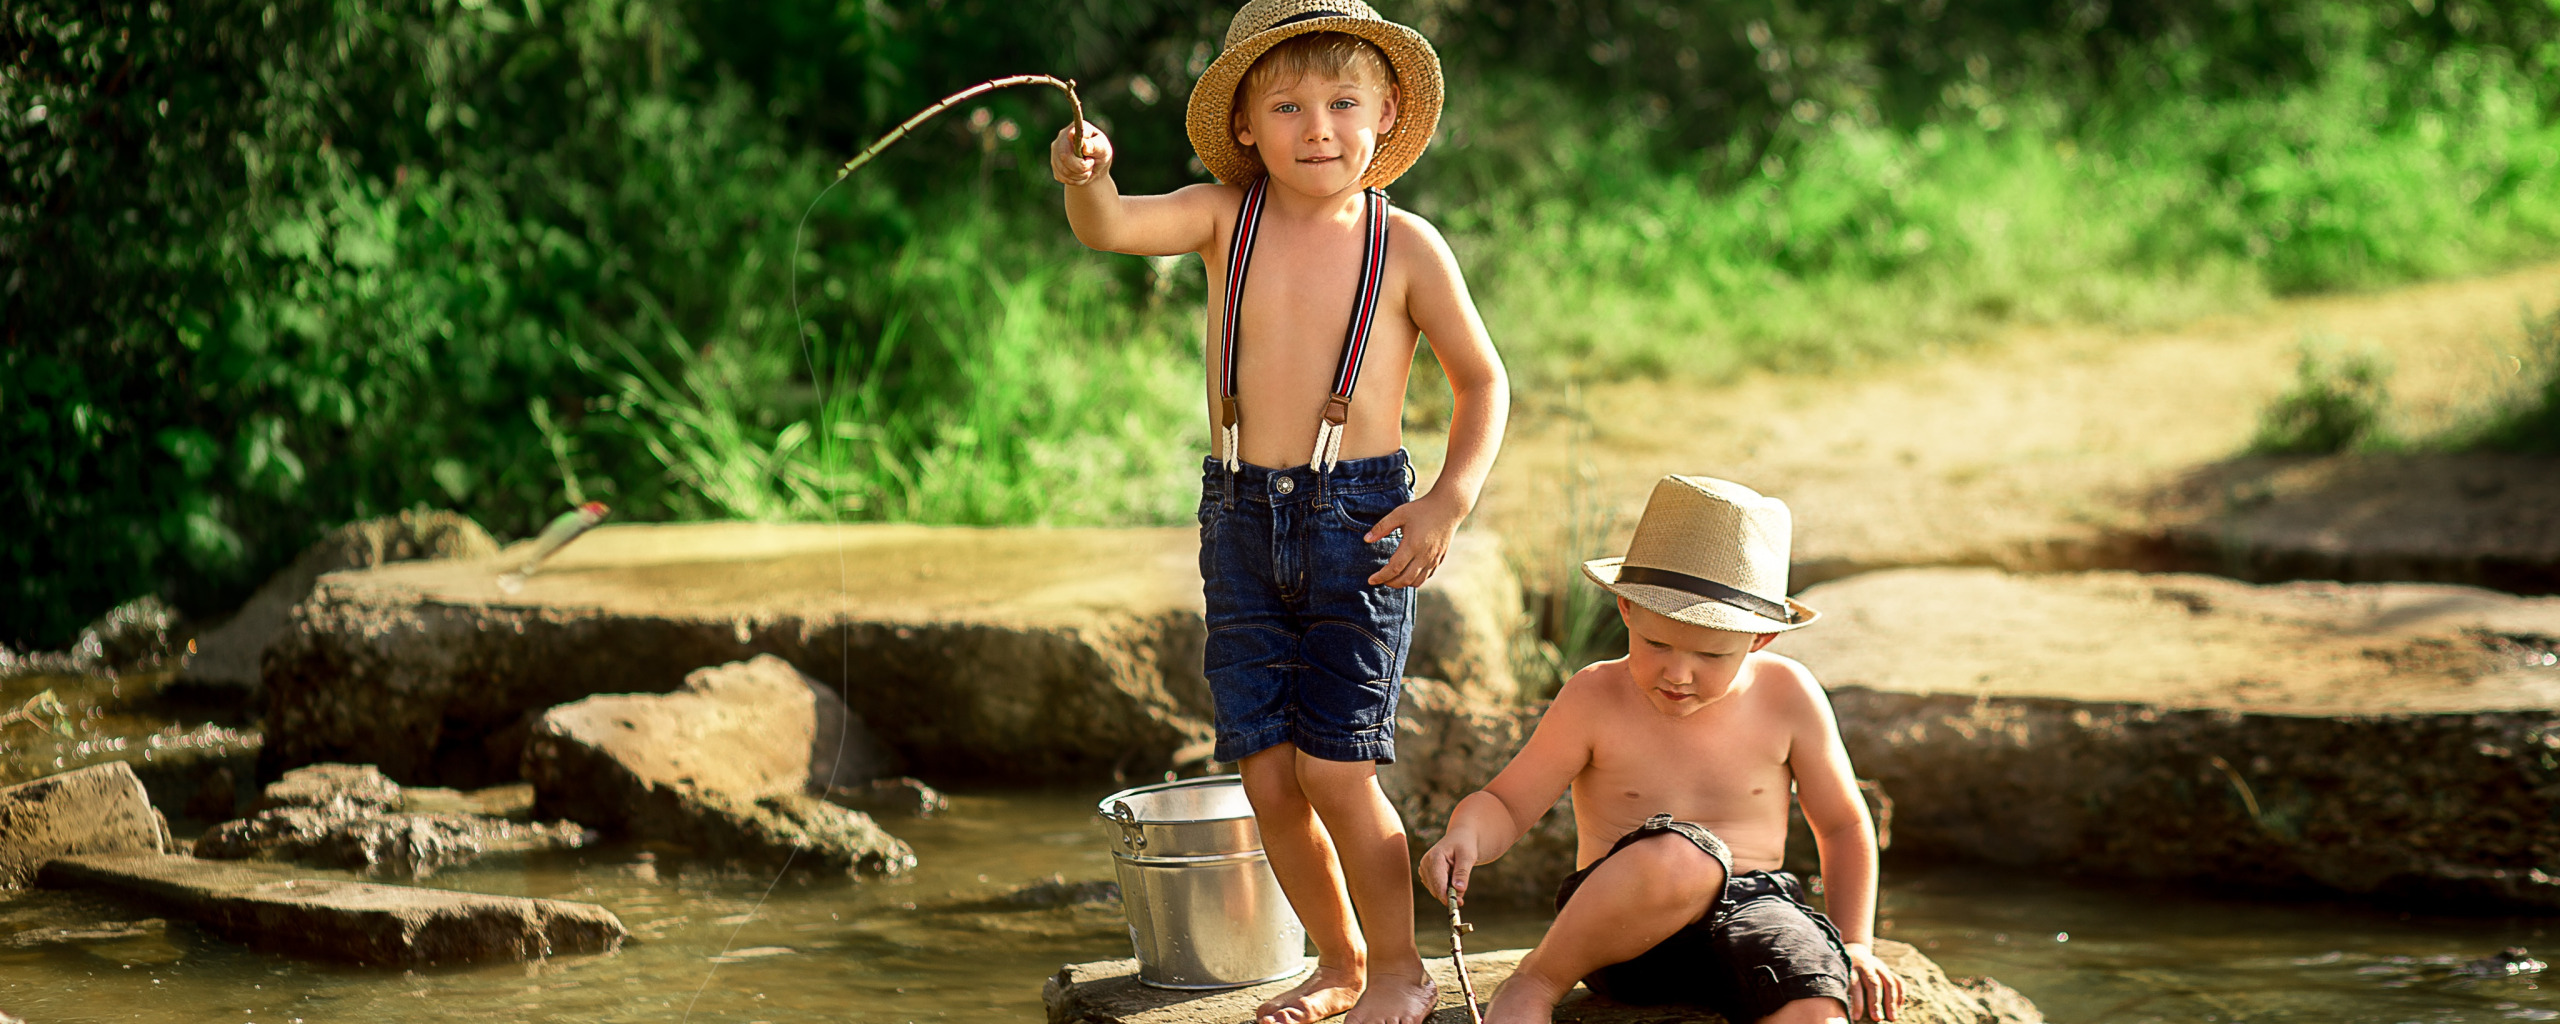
(722, 945)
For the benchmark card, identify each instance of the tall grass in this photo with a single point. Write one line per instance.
(1858, 242)
(961, 376)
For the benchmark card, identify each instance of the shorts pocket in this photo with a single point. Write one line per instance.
(1362, 510)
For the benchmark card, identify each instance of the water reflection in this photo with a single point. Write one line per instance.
(943, 945)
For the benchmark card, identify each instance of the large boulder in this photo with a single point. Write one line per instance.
(1027, 655)
(229, 655)
(98, 809)
(1108, 992)
(2393, 739)
(352, 817)
(733, 764)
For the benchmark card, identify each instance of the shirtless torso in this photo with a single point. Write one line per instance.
(1728, 765)
(1725, 767)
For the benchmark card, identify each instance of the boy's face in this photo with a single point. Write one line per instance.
(1316, 134)
(1683, 668)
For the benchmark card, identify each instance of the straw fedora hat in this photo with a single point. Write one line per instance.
(1263, 24)
(1709, 553)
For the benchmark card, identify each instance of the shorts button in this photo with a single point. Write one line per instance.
(1284, 485)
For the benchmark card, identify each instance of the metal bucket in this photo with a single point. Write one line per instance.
(1204, 909)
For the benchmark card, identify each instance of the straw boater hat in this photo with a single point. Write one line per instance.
(1263, 24)
(1709, 553)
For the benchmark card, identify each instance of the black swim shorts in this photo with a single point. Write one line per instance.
(1756, 950)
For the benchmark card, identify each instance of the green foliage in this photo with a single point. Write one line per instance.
(2337, 401)
(270, 266)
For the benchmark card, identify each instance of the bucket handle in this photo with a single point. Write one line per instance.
(1130, 835)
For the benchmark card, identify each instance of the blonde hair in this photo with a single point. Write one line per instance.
(1329, 54)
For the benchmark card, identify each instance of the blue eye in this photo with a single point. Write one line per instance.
(1343, 104)
(1286, 108)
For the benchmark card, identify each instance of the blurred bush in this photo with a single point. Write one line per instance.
(273, 265)
(2337, 401)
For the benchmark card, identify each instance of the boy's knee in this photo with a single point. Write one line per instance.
(1814, 1010)
(1271, 779)
(1315, 772)
(1673, 866)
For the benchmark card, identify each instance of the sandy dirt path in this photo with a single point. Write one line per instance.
(2034, 451)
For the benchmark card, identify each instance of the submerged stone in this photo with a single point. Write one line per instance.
(1108, 992)
(275, 908)
(2388, 739)
(727, 765)
(98, 809)
(1025, 654)
(904, 797)
(352, 817)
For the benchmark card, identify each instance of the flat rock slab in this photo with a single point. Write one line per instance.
(2393, 739)
(271, 907)
(1025, 654)
(98, 809)
(1108, 992)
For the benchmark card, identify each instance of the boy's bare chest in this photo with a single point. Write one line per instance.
(1728, 771)
(1297, 298)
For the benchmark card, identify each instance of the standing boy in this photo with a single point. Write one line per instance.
(1680, 756)
(1310, 540)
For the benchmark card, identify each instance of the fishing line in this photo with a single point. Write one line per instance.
(828, 439)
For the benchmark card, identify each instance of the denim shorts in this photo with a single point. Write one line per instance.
(1302, 649)
(1758, 948)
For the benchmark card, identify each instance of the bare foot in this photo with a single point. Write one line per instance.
(1325, 993)
(1396, 998)
(1524, 1000)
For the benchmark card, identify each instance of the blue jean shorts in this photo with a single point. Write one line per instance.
(1302, 649)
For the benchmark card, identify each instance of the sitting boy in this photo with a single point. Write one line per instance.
(1680, 755)
(1310, 540)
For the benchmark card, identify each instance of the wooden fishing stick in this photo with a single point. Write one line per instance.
(1458, 928)
(1066, 85)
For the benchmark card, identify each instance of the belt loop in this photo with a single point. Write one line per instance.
(1227, 484)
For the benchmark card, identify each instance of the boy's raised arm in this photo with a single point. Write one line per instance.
(1165, 225)
(1846, 837)
(1485, 824)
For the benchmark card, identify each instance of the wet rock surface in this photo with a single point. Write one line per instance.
(135, 635)
(355, 818)
(229, 655)
(901, 797)
(2387, 739)
(1029, 655)
(727, 765)
(1108, 992)
(276, 908)
(94, 810)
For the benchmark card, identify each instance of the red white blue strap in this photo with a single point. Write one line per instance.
(1355, 342)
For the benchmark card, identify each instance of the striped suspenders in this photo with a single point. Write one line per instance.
(1355, 341)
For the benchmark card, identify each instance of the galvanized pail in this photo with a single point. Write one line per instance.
(1204, 909)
